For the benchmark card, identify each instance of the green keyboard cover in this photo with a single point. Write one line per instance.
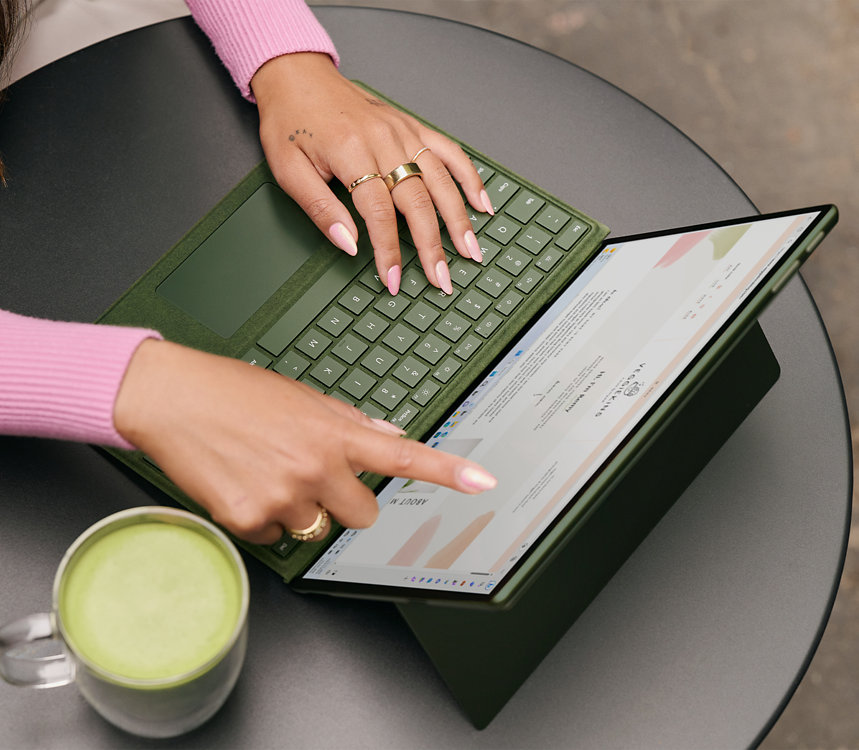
(333, 325)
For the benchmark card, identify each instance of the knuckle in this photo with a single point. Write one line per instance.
(247, 521)
(318, 209)
(421, 202)
(380, 209)
(402, 458)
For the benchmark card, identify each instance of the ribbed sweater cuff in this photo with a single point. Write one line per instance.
(248, 33)
(60, 380)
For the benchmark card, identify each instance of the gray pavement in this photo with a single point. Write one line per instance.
(770, 89)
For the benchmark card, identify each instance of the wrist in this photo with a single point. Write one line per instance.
(292, 71)
(139, 389)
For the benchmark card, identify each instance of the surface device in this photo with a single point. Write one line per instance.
(594, 377)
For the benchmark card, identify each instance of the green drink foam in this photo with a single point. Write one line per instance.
(150, 601)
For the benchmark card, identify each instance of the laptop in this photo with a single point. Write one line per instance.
(560, 363)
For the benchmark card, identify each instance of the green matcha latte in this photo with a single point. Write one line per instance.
(150, 601)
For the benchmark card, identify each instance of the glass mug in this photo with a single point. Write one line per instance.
(149, 619)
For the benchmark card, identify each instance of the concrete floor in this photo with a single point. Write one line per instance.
(770, 89)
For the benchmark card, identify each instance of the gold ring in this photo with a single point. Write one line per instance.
(366, 177)
(415, 157)
(403, 172)
(311, 532)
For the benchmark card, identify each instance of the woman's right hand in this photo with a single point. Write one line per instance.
(262, 452)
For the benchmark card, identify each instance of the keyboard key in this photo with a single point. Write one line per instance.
(405, 414)
(534, 240)
(549, 258)
(473, 304)
(494, 282)
(340, 397)
(313, 343)
(513, 261)
(371, 326)
(373, 411)
(489, 250)
(335, 321)
(432, 349)
(414, 281)
(508, 303)
(356, 299)
(370, 277)
(379, 360)
(392, 307)
(553, 219)
(478, 220)
(463, 272)
(483, 170)
(255, 357)
(503, 229)
(453, 326)
(447, 370)
(292, 365)
(441, 299)
(357, 383)
(421, 316)
(525, 206)
(468, 346)
(349, 349)
(500, 189)
(487, 326)
(400, 338)
(529, 280)
(411, 371)
(313, 384)
(328, 371)
(424, 394)
(389, 394)
(571, 235)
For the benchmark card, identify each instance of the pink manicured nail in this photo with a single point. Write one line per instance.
(487, 204)
(343, 238)
(394, 275)
(477, 478)
(443, 274)
(473, 247)
(388, 427)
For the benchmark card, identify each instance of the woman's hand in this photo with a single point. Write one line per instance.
(262, 452)
(316, 125)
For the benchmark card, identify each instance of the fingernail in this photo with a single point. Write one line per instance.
(343, 238)
(443, 275)
(387, 426)
(487, 204)
(473, 247)
(477, 478)
(394, 280)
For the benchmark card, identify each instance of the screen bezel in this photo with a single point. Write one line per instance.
(583, 502)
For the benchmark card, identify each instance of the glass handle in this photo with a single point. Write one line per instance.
(31, 654)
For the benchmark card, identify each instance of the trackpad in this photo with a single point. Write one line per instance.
(244, 261)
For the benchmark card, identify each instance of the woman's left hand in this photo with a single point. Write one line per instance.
(315, 125)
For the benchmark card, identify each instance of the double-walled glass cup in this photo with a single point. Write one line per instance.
(51, 649)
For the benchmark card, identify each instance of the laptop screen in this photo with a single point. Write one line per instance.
(561, 401)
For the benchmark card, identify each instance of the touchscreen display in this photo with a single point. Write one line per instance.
(560, 402)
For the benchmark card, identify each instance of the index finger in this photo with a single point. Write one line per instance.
(402, 457)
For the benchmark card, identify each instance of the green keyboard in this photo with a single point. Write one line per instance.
(392, 355)
(408, 358)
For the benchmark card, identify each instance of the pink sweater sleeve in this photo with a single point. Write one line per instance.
(60, 380)
(248, 33)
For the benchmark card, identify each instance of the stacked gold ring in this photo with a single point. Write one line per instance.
(415, 157)
(313, 531)
(371, 176)
(403, 172)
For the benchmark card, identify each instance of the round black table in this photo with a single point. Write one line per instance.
(698, 641)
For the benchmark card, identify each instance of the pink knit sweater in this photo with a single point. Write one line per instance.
(60, 380)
